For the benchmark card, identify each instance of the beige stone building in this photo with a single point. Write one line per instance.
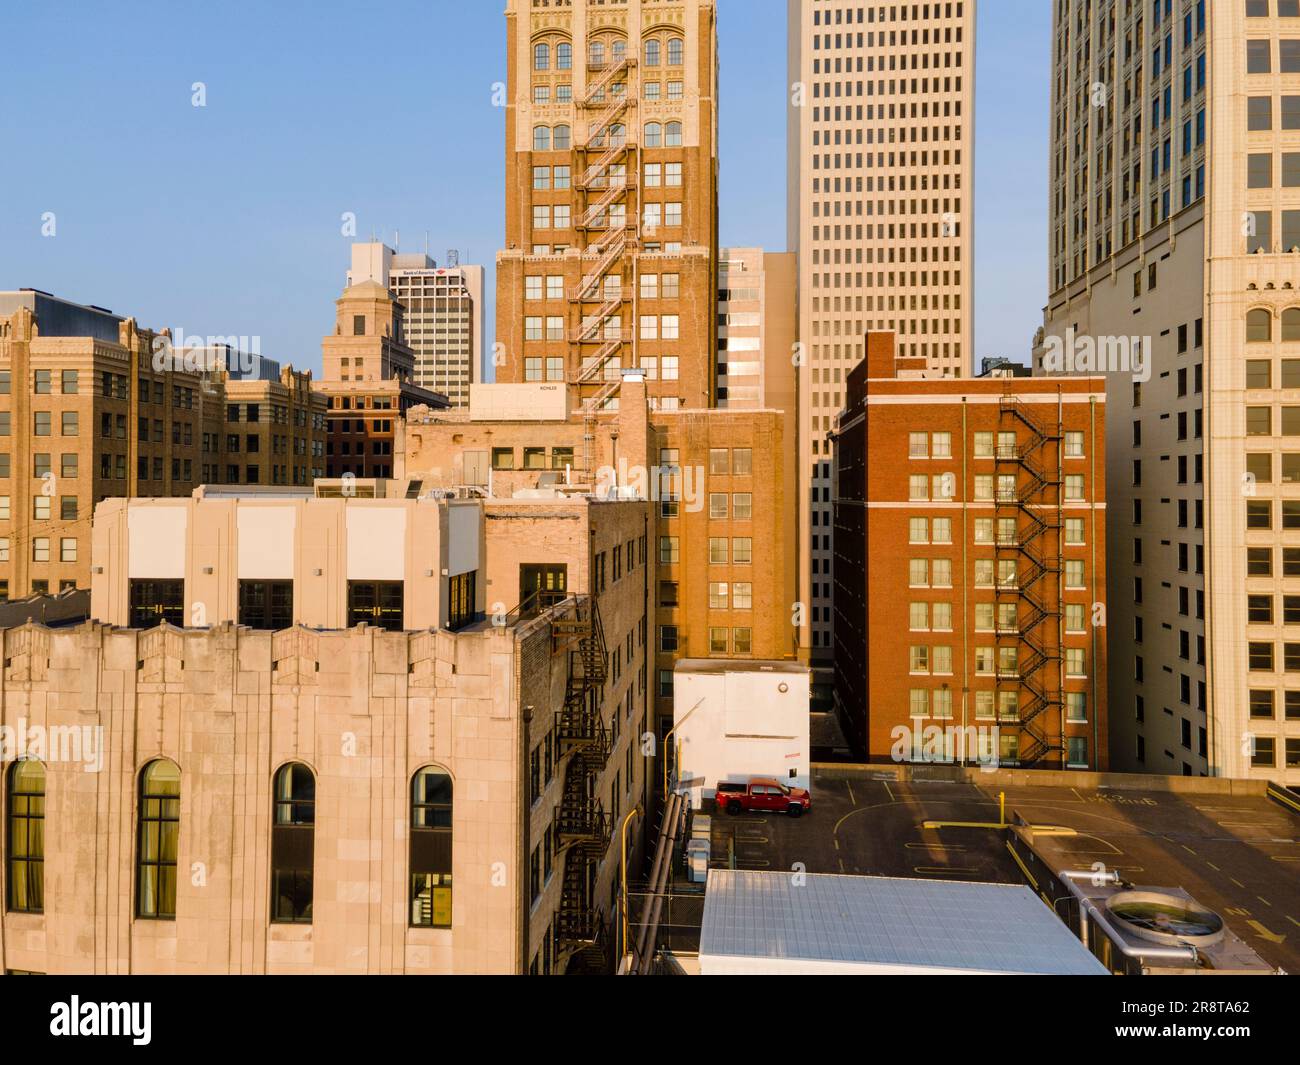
(716, 481)
(368, 381)
(92, 407)
(445, 314)
(611, 198)
(881, 166)
(343, 764)
(1174, 215)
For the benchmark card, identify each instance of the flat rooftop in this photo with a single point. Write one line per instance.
(827, 922)
(1235, 851)
(719, 665)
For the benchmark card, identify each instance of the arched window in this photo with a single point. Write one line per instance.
(1291, 324)
(431, 834)
(1259, 327)
(160, 827)
(26, 837)
(617, 135)
(619, 48)
(676, 51)
(654, 135)
(293, 844)
(563, 138)
(596, 54)
(564, 56)
(652, 52)
(673, 135)
(541, 139)
(541, 57)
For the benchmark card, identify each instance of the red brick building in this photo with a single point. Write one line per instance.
(969, 568)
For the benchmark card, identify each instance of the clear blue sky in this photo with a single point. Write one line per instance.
(225, 219)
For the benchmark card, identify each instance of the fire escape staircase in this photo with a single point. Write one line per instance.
(583, 828)
(606, 148)
(1036, 507)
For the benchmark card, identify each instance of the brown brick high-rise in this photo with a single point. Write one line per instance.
(611, 198)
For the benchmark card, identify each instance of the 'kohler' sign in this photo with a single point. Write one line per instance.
(1073, 354)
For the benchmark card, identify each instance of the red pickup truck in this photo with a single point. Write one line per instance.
(762, 793)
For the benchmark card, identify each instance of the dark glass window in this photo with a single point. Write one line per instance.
(266, 604)
(431, 835)
(160, 824)
(152, 602)
(26, 837)
(378, 603)
(460, 600)
(293, 845)
(541, 587)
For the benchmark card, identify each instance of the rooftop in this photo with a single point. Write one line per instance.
(883, 924)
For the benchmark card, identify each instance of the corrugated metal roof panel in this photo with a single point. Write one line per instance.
(881, 922)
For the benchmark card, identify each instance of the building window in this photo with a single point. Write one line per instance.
(461, 595)
(266, 605)
(154, 601)
(378, 603)
(431, 851)
(293, 844)
(25, 842)
(669, 550)
(1259, 327)
(160, 823)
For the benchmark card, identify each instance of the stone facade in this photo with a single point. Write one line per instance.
(365, 710)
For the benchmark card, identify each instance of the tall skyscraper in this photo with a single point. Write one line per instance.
(880, 171)
(611, 199)
(1175, 215)
(756, 330)
(445, 314)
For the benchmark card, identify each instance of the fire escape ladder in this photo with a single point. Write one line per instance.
(1035, 506)
(596, 89)
(582, 826)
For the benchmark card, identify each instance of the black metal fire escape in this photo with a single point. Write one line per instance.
(581, 823)
(1035, 506)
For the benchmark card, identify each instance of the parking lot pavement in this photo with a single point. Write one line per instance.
(1240, 855)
